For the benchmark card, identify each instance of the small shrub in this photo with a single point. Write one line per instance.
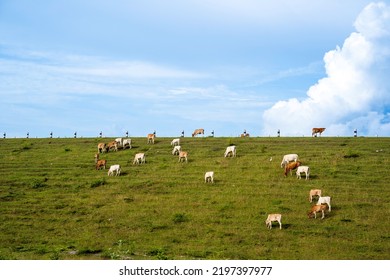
(159, 253)
(351, 154)
(180, 218)
(36, 184)
(98, 183)
(67, 149)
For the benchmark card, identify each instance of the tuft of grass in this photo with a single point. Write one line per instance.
(351, 154)
(98, 183)
(180, 218)
(37, 184)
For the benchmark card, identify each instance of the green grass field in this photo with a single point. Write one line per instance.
(55, 205)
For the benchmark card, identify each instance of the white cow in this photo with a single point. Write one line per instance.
(287, 158)
(324, 200)
(126, 143)
(274, 218)
(175, 142)
(209, 177)
(119, 142)
(176, 150)
(303, 169)
(114, 168)
(139, 158)
(230, 149)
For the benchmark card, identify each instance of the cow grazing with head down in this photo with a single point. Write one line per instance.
(230, 150)
(176, 150)
(316, 130)
(287, 158)
(317, 208)
(183, 156)
(209, 177)
(139, 158)
(175, 142)
(291, 166)
(114, 169)
(99, 163)
(198, 131)
(102, 147)
(113, 145)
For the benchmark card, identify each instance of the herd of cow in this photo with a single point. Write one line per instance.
(289, 162)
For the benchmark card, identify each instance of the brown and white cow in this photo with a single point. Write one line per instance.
(113, 145)
(151, 137)
(183, 156)
(198, 131)
(101, 147)
(316, 130)
(291, 166)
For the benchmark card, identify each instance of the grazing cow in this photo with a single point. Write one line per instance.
(114, 169)
(315, 209)
(112, 145)
(198, 131)
(102, 147)
(175, 142)
(209, 177)
(151, 137)
(139, 158)
(290, 167)
(126, 143)
(274, 218)
(119, 142)
(99, 162)
(316, 130)
(303, 169)
(183, 155)
(314, 193)
(230, 150)
(324, 200)
(288, 158)
(176, 150)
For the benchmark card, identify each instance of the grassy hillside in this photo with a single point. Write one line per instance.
(55, 205)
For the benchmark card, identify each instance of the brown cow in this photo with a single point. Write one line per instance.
(316, 130)
(112, 145)
(183, 155)
(151, 137)
(291, 166)
(198, 131)
(100, 162)
(317, 208)
(101, 147)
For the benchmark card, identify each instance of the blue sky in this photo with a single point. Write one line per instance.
(139, 66)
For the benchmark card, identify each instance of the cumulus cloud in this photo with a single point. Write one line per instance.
(355, 92)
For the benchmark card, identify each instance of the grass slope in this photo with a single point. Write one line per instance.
(55, 205)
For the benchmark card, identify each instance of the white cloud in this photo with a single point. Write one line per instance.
(355, 92)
